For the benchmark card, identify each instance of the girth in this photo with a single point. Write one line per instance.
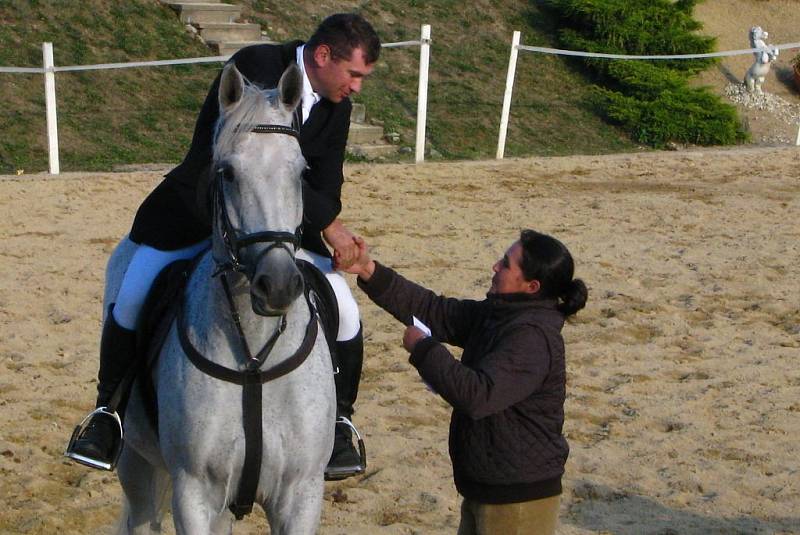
(251, 381)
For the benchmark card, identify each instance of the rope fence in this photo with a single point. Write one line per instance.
(50, 69)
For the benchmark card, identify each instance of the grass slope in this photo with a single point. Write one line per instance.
(145, 115)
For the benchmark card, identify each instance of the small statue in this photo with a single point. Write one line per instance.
(765, 56)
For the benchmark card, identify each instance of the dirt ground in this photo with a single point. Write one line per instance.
(683, 383)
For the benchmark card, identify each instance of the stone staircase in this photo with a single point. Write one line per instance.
(216, 23)
(366, 140)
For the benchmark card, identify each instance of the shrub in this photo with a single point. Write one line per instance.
(651, 99)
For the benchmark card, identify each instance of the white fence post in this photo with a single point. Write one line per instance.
(512, 69)
(50, 104)
(422, 93)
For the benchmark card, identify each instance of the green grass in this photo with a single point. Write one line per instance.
(145, 115)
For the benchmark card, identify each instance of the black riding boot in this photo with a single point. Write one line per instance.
(345, 460)
(98, 443)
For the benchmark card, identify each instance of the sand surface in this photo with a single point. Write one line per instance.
(684, 392)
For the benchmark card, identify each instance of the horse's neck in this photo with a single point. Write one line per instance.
(211, 325)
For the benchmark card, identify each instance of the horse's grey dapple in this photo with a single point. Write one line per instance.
(198, 451)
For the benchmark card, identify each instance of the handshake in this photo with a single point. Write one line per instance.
(355, 259)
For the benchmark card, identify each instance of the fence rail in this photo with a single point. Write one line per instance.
(49, 70)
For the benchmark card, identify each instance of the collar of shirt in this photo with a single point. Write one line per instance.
(309, 96)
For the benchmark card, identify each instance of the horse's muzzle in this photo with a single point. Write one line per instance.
(273, 292)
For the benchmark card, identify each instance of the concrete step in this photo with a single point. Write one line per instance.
(372, 151)
(359, 113)
(200, 13)
(361, 134)
(227, 48)
(219, 32)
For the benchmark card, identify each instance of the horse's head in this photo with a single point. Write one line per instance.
(258, 201)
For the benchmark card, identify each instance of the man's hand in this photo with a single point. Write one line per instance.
(411, 337)
(345, 248)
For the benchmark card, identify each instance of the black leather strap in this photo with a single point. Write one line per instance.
(253, 447)
(275, 129)
(240, 377)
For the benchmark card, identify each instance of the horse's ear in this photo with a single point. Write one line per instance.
(290, 86)
(231, 86)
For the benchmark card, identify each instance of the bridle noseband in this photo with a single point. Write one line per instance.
(234, 239)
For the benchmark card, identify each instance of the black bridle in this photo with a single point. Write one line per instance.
(235, 240)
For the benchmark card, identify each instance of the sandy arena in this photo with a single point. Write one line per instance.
(683, 407)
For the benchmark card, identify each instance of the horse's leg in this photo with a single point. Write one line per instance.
(146, 488)
(296, 511)
(223, 524)
(197, 510)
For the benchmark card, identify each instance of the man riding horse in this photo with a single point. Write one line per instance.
(174, 221)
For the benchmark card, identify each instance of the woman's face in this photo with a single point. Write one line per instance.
(508, 277)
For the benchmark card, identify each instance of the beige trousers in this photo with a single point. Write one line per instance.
(536, 517)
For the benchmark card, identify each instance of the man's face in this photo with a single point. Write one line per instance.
(337, 78)
(508, 277)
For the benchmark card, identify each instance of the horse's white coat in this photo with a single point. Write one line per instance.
(199, 450)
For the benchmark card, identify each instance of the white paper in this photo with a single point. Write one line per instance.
(421, 326)
(424, 328)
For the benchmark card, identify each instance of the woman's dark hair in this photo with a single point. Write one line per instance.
(547, 260)
(344, 32)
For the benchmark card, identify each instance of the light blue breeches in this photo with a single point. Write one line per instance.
(148, 262)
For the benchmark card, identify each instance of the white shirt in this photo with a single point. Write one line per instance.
(310, 97)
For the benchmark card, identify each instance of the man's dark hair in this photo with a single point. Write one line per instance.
(344, 32)
(547, 260)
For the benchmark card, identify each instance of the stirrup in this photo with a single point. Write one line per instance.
(349, 471)
(79, 430)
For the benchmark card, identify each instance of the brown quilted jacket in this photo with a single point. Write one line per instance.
(507, 391)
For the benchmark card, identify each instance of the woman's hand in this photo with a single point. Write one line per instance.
(411, 337)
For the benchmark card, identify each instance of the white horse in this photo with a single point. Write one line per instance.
(198, 451)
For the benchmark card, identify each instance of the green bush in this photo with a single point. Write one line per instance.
(652, 99)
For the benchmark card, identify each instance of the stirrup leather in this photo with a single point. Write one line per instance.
(81, 428)
(362, 454)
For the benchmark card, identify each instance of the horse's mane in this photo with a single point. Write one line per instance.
(243, 117)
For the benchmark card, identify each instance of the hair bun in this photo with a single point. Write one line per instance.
(574, 297)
